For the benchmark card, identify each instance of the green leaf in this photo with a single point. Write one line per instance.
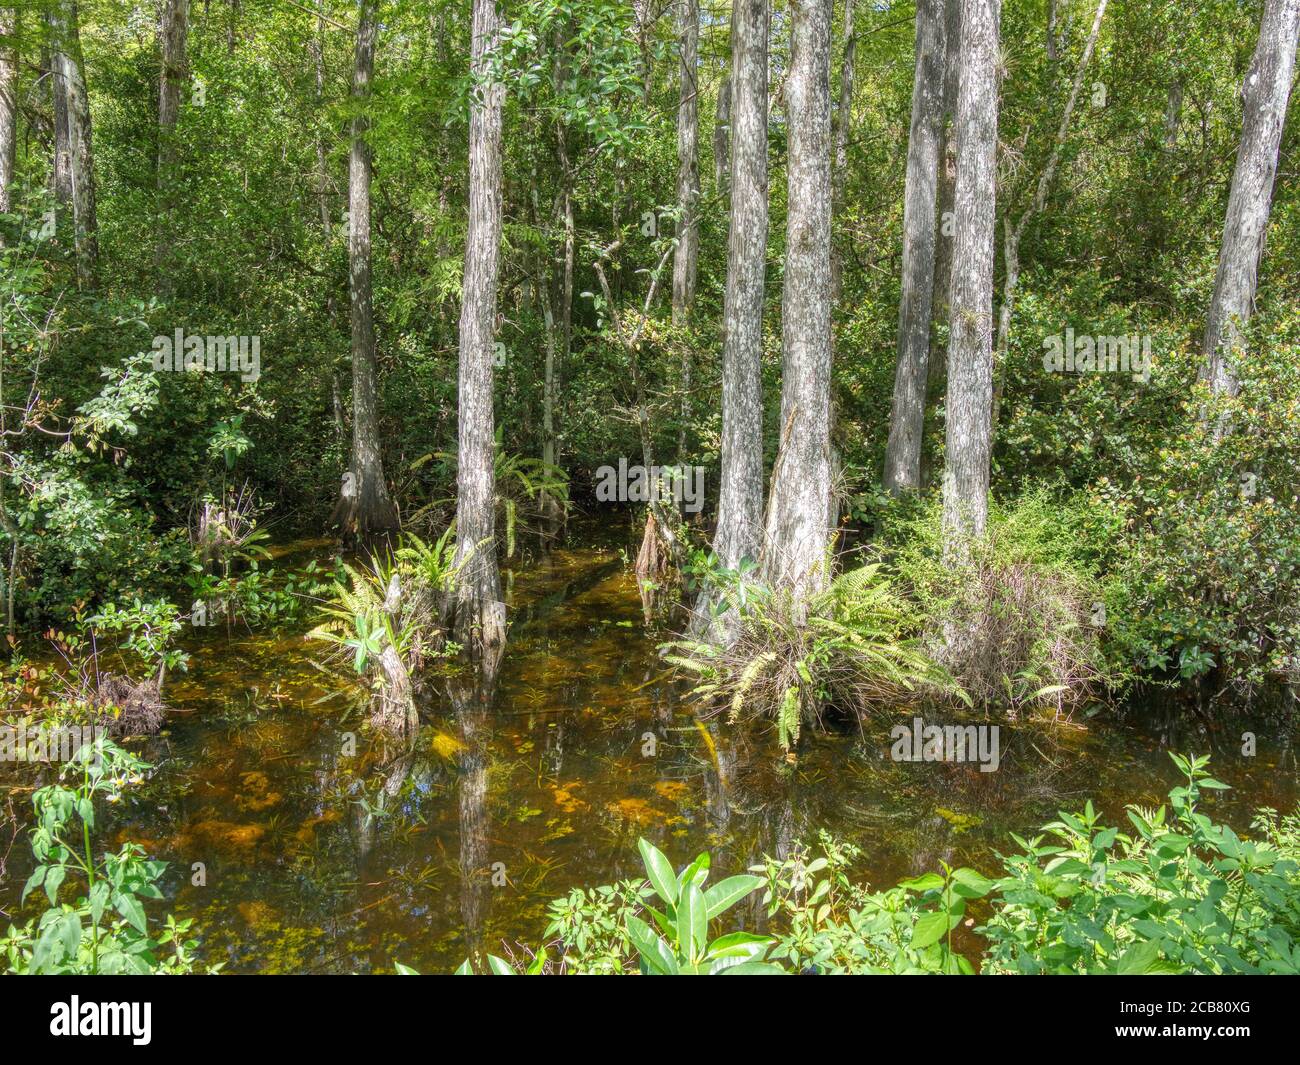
(52, 882)
(406, 970)
(970, 884)
(500, 967)
(129, 907)
(654, 955)
(726, 893)
(929, 929)
(660, 872)
(34, 881)
(692, 923)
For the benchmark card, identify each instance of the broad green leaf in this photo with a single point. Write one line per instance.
(726, 893)
(660, 872)
(929, 929)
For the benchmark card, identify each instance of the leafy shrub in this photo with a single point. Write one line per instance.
(105, 931)
(1209, 582)
(1016, 619)
(1179, 894)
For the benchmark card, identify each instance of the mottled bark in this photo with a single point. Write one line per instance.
(173, 29)
(947, 171)
(907, 415)
(843, 124)
(74, 146)
(798, 530)
(8, 102)
(364, 508)
(1264, 103)
(722, 139)
(686, 256)
(480, 613)
(970, 322)
(740, 504)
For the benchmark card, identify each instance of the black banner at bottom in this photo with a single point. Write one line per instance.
(144, 1016)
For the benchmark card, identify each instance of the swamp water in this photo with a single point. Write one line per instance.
(320, 860)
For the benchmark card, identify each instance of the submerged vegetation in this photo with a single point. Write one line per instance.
(1177, 893)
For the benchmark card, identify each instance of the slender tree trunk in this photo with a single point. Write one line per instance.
(843, 125)
(68, 68)
(8, 104)
(480, 613)
(364, 508)
(740, 504)
(907, 417)
(722, 140)
(173, 28)
(937, 375)
(799, 511)
(1013, 232)
(1264, 93)
(61, 163)
(686, 256)
(970, 323)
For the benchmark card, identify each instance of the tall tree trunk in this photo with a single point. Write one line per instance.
(799, 510)
(907, 417)
(364, 508)
(740, 503)
(68, 68)
(722, 140)
(1264, 93)
(843, 125)
(173, 28)
(970, 323)
(480, 613)
(936, 378)
(686, 256)
(8, 103)
(1013, 232)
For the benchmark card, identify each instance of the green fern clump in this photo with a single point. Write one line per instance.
(849, 646)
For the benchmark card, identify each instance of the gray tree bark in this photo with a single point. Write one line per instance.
(970, 322)
(740, 503)
(843, 124)
(173, 29)
(907, 416)
(8, 103)
(1264, 96)
(480, 613)
(722, 139)
(798, 529)
(364, 508)
(947, 168)
(686, 256)
(75, 145)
